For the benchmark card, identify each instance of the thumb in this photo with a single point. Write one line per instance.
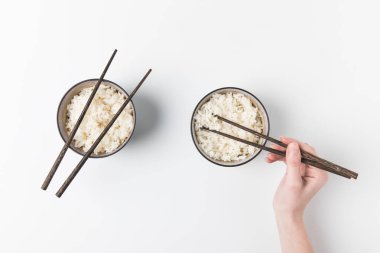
(293, 162)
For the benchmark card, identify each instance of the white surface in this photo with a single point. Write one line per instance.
(314, 64)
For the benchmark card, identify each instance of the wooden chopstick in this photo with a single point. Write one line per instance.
(305, 154)
(99, 139)
(277, 152)
(280, 143)
(59, 159)
(307, 157)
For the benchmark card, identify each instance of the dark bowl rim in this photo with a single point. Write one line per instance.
(194, 138)
(134, 116)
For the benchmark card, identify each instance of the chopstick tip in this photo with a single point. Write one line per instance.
(205, 128)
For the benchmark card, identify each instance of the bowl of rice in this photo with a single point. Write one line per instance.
(237, 105)
(106, 103)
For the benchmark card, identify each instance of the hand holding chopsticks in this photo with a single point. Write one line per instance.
(307, 157)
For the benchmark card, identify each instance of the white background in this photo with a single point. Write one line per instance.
(314, 64)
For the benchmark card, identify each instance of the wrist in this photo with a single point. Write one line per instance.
(293, 218)
(293, 234)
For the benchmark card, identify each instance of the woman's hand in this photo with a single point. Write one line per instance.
(298, 186)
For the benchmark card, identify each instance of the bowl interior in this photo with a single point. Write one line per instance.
(62, 113)
(254, 101)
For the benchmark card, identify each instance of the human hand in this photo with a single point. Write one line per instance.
(300, 182)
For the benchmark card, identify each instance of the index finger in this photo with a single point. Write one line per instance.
(304, 146)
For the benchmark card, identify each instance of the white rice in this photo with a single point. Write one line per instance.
(105, 104)
(235, 107)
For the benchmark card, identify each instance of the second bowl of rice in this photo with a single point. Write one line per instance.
(237, 105)
(107, 101)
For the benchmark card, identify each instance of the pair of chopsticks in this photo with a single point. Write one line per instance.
(76, 127)
(306, 157)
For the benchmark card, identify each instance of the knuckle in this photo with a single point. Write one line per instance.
(307, 147)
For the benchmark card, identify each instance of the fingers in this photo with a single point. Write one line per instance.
(314, 177)
(303, 146)
(315, 183)
(273, 157)
(305, 170)
(293, 161)
(311, 171)
(299, 174)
